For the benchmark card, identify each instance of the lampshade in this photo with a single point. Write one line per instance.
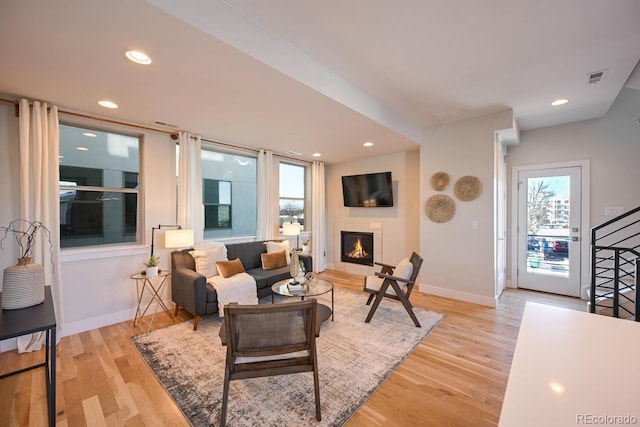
(178, 238)
(291, 228)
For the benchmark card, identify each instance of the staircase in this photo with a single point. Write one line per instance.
(615, 269)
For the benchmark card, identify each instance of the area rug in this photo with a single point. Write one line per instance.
(354, 359)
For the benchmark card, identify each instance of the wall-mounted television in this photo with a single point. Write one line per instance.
(371, 190)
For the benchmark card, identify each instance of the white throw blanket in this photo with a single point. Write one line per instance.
(239, 288)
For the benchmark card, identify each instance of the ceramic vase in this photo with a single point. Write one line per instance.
(23, 285)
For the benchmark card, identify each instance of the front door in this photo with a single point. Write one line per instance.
(549, 234)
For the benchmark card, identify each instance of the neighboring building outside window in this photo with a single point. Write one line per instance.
(229, 194)
(292, 193)
(99, 187)
(216, 197)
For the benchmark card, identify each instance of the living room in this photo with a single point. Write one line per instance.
(459, 261)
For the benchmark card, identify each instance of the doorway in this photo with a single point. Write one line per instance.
(550, 228)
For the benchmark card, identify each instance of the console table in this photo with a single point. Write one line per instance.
(23, 321)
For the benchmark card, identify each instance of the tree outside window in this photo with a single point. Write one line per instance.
(292, 193)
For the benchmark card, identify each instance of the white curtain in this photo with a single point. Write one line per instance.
(190, 208)
(40, 200)
(318, 219)
(266, 217)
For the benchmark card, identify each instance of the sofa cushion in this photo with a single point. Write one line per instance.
(274, 260)
(273, 246)
(266, 278)
(229, 268)
(248, 252)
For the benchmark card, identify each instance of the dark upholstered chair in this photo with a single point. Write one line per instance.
(269, 339)
(397, 287)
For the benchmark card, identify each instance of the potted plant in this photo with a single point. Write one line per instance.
(306, 247)
(23, 284)
(152, 266)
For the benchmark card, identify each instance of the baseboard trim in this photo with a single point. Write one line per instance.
(458, 295)
(72, 328)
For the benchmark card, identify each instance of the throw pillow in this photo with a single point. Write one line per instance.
(229, 268)
(404, 269)
(274, 260)
(279, 246)
(206, 259)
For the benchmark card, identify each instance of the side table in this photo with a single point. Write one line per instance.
(37, 318)
(154, 289)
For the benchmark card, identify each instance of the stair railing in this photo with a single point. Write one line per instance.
(615, 265)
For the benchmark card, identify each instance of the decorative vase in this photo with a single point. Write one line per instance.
(23, 285)
(306, 248)
(294, 267)
(152, 271)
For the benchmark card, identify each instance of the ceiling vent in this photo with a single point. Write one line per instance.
(595, 77)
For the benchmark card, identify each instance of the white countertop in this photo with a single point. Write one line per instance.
(573, 368)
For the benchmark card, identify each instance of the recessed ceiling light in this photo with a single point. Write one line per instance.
(138, 57)
(560, 101)
(82, 149)
(90, 135)
(108, 104)
(368, 144)
(317, 155)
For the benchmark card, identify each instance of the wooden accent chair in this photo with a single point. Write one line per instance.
(397, 287)
(269, 339)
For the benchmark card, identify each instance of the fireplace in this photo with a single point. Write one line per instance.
(356, 247)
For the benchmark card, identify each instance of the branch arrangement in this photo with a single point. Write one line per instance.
(25, 239)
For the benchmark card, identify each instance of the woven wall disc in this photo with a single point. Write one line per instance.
(440, 181)
(467, 188)
(440, 208)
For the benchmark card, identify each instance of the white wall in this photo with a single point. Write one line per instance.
(399, 224)
(96, 285)
(458, 260)
(611, 144)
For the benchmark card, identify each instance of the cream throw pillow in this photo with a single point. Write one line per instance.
(279, 246)
(404, 269)
(206, 259)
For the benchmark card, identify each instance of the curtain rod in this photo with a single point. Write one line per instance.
(173, 135)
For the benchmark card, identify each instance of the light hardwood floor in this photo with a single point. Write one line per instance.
(456, 377)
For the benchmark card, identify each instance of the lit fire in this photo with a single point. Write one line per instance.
(358, 251)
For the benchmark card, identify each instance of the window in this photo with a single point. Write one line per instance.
(292, 193)
(216, 196)
(229, 194)
(99, 187)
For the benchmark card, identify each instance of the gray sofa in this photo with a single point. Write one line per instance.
(190, 290)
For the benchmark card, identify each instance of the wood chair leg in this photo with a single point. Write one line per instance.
(196, 320)
(225, 398)
(370, 298)
(316, 387)
(176, 307)
(405, 302)
(376, 303)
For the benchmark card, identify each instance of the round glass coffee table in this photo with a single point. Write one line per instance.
(311, 288)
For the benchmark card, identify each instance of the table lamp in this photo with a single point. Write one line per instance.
(292, 229)
(178, 238)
